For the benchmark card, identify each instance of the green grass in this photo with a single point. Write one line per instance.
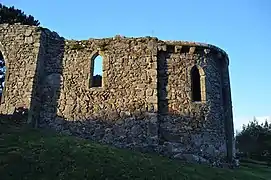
(27, 153)
(248, 160)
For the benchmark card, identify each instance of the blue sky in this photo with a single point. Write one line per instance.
(240, 27)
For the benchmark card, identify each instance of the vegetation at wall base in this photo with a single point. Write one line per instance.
(38, 154)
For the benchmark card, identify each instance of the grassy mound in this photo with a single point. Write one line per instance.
(27, 153)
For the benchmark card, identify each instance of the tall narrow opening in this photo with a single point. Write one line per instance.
(2, 76)
(196, 84)
(97, 71)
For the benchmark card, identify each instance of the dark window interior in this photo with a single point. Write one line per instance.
(195, 77)
(97, 81)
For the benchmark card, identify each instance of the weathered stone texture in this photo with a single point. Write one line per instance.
(192, 127)
(20, 47)
(145, 101)
(127, 78)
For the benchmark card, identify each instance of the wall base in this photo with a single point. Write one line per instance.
(144, 135)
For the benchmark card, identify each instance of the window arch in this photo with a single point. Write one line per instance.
(96, 74)
(197, 84)
(2, 75)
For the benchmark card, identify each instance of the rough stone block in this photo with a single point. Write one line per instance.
(140, 76)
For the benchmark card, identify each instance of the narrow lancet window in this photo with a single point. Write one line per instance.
(196, 84)
(97, 71)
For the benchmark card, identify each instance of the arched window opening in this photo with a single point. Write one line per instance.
(2, 75)
(196, 84)
(97, 71)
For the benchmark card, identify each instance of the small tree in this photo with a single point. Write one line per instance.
(255, 140)
(12, 15)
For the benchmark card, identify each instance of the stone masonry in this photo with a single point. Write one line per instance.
(146, 98)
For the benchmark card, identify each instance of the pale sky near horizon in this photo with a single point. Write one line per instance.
(241, 28)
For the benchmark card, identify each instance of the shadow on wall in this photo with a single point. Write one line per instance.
(163, 131)
(146, 133)
(162, 70)
(48, 78)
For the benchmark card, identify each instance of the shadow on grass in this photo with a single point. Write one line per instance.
(33, 154)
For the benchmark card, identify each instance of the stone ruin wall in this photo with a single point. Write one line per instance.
(145, 102)
(20, 48)
(196, 127)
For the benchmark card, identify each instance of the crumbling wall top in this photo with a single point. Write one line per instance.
(162, 44)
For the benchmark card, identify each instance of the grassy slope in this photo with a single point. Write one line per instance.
(31, 154)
